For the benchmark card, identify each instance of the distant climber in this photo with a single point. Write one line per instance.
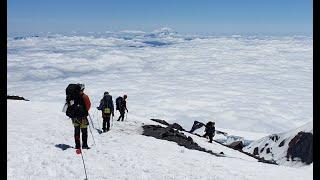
(106, 106)
(121, 105)
(210, 130)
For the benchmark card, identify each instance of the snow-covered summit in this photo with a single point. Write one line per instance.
(162, 32)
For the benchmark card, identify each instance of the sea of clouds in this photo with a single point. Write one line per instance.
(252, 83)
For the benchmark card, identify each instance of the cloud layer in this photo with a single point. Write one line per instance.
(249, 83)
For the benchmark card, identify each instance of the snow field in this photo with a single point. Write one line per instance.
(34, 128)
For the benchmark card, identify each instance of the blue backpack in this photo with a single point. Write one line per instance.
(106, 104)
(119, 102)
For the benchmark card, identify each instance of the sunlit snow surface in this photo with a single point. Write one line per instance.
(249, 83)
(37, 133)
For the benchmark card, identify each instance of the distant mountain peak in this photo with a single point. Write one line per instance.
(164, 31)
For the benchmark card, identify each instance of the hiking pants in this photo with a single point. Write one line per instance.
(84, 132)
(210, 137)
(122, 112)
(80, 124)
(106, 120)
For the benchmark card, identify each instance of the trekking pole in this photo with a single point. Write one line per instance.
(84, 165)
(112, 122)
(97, 117)
(126, 115)
(99, 121)
(93, 114)
(91, 130)
(91, 119)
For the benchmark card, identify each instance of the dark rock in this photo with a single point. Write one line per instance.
(177, 126)
(165, 134)
(237, 145)
(267, 161)
(221, 153)
(174, 125)
(268, 150)
(301, 146)
(221, 132)
(17, 98)
(160, 121)
(261, 150)
(256, 151)
(171, 134)
(274, 137)
(196, 125)
(282, 143)
(266, 144)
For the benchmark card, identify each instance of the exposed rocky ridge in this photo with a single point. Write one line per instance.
(235, 145)
(293, 146)
(171, 134)
(17, 98)
(161, 121)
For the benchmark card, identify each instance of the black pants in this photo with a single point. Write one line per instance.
(106, 120)
(122, 112)
(210, 136)
(84, 132)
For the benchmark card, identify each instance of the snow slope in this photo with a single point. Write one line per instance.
(277, 152)
(247, 83)
(35, 128)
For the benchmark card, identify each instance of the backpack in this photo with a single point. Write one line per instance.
(75, 104)
(210, 127)
(108, 105)
(119, 103)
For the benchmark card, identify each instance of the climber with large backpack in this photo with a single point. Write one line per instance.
(121, 106)
(106, 106)
(210, 130)
(78, 105)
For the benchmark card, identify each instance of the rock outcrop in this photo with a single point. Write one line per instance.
(171, 134)
(301, 146)
(17, 98)
(292, 148)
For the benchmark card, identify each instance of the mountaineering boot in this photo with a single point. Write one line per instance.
(85, 146)
(77, 145)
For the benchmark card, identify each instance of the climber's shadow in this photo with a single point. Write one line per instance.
(63, 146)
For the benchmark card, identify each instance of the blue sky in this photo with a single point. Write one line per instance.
(184, 16)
